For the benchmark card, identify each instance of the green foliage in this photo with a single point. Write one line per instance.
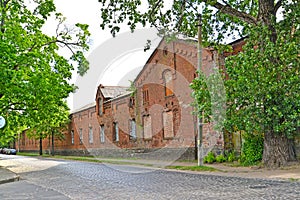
(132, 89)
(231, 156)
(210, 158)
(176, 17)
(210, 98)
(252, 149)
(262, 89)
(34, 76)
(221, 158)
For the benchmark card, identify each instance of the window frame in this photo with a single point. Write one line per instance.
(168, 83)
(80, 136)
(132, 126)
(102, 133)
(72, 137)
(116, 135)
(91, 135)
(100, 106)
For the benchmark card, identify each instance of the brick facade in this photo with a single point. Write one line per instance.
(156, 119)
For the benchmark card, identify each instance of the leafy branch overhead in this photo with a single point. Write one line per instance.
(220, 18)
(34, 74)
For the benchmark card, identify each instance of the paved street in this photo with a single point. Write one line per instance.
(57, 179)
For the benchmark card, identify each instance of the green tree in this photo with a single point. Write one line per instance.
(34, 75)
(263, 86)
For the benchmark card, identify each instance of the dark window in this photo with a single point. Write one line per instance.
(72, 137)
(131, 102)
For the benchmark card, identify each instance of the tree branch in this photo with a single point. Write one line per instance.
(277, 6)
(178, 24)
(226, 9)
(66, 44)
(156, 5)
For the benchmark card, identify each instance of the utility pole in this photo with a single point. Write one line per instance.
(199, 118)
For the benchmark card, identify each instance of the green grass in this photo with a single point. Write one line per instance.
(78, 158)
(87, 159)
(188, 161)
(294, 179)
(27, 154)
(193, 168)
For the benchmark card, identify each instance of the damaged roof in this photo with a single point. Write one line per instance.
(110, 92)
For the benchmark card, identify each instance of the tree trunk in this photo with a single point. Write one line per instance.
(278, 150)
(41, 145)
(267, 13)
(292, 151)
(52, 141)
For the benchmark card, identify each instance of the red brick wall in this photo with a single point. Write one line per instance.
(180, 59)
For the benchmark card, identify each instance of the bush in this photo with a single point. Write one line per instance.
(252, 149)
(210, 158)
(231, 156)
(220, 158)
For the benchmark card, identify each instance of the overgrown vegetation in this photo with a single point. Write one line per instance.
(231, 156)
(251, 152)
(228, 157)
(209, 158)
(221, 158)
(252, 149)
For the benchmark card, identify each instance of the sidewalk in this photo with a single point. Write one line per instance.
(6, 176)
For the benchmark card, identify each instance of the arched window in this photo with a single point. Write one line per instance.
(168, 81)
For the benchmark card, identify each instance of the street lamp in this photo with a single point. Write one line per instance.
(199, 66)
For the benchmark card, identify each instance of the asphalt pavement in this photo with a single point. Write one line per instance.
(6, 176)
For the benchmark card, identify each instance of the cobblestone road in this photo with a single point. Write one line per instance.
(83, 180)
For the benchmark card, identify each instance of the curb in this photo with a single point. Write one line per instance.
(7, 176)
(9, 180)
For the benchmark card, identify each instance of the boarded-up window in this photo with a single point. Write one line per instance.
(91, 136)
(168, 124)
(168, 79)
(80, 136)
(132, 129)
(147, 127)
(102, 134)
(145, 96)
(116, 131)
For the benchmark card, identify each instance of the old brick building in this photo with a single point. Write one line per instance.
(151, 119)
